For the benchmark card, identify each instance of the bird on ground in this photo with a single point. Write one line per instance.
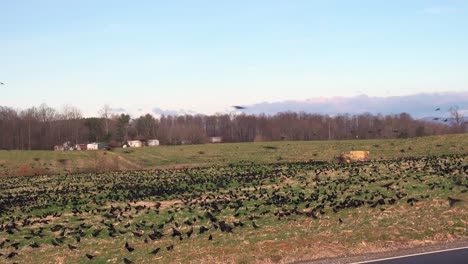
(34, 245)
(15, 245)
(254, 225)
(128, 247)
(12, 254)
(453, 201)
(155, 251)
(210, 237)
(89, 256)
(71, 247)
(127, 261)
(170, 247)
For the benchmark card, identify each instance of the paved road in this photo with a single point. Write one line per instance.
(454, 256)
(451, 252)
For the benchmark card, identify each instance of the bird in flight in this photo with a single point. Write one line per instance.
(2, 83)
(238, 107)
(438, 109)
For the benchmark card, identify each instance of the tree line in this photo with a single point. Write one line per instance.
(43, 127)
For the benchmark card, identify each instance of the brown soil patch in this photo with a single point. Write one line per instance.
(25, 169)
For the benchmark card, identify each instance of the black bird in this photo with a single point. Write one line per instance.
(71, 247)
(211, 217)
(210, 237)
(155, 251)
(89, 256)
(2, 83)
(340, 220)
(128, 247)
(436, 118)
(96, 233)
(254, 225)
(34, 245)
(12, 254)
(453, 201)
(176, 232)
(203, 229)
(54, 243)
(438, 109)
(137, 234)
(225, 227)
(190, 232)
(15, 245)
(127, 261)
(238, 107)
(170, 248)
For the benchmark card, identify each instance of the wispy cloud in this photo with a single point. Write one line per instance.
(418, 105)
(437, 10)
(159, 111)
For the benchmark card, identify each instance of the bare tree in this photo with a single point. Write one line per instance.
(458, 119)
(105, 113)
(72, 116)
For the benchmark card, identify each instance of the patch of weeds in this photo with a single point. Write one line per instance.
(276, 258)
(62, 161)
(270, 147)
(244, 259)
(428, 232)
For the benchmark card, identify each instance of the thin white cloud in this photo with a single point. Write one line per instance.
(437, 10)
(417, 105)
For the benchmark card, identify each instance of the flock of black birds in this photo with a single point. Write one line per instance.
(166, 208)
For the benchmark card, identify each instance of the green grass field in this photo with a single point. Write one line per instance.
(54, 162)
(301, 209)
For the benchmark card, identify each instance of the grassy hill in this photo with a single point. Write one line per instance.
(55, 162)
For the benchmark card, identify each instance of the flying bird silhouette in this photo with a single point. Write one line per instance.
(438, 109)
(2, 83)
(238, 107)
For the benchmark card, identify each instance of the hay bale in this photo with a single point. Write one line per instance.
(354, 156)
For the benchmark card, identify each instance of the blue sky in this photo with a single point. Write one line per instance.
(207, 55)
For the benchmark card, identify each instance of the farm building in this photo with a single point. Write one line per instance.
(58, 148)
(81, 146)
(136, 143)
(185, 142)
(215, 139)
(153, 142)
(95, 146)
(65, 146)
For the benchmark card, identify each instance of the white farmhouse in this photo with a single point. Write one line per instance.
(153, 142)
(92, 146)
(215, 139)
(135, 143)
